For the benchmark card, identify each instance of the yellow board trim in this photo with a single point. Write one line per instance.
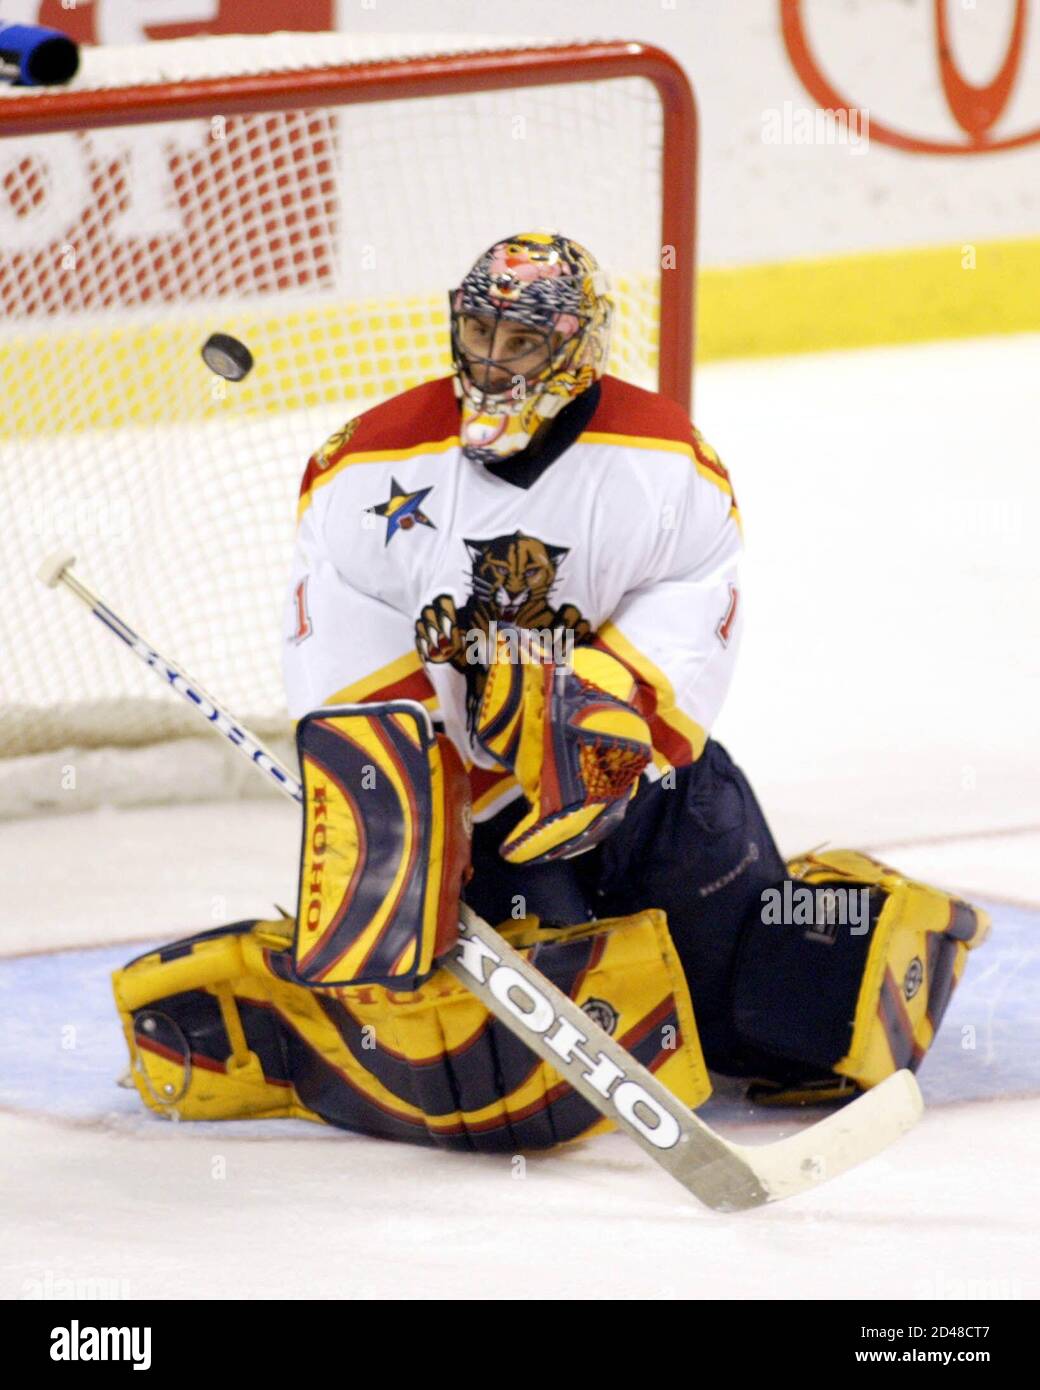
(141, 367)
(875, 297)
(146, 371)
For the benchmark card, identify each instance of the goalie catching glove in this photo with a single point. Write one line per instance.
(573, 739)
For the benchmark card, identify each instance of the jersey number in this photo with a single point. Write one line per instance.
(303, 620)
(725, 627)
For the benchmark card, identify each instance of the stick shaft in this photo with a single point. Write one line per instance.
(207, 708)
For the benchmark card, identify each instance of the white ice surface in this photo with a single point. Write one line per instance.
(887, 697)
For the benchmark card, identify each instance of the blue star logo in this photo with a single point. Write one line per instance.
(403, 510)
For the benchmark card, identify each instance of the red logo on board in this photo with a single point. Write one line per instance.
(976, 108)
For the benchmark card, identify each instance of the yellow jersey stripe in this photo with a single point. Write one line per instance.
(405, 671)
(666, 711)
(374, 456)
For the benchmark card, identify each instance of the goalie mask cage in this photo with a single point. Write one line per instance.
(316, 202)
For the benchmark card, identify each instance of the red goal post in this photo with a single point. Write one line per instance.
(178, 498)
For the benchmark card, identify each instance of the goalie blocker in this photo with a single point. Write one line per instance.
(386, 835)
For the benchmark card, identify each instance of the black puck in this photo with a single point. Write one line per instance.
(227, 356)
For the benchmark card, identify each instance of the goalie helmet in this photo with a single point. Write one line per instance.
(530, 330)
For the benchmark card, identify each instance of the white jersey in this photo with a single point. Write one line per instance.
(407, 550)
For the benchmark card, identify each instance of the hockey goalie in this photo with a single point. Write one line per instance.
(513, 618)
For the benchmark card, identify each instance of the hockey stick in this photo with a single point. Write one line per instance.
(725, 1176)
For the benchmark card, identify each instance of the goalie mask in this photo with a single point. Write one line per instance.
(530, 330)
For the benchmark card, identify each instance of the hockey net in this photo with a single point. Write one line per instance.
(316, 201)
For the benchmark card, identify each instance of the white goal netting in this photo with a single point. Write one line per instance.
(325, 238)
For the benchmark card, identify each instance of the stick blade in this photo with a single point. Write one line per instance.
(751, 1175)
(855, 1133)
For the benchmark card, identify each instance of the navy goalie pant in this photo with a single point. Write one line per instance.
(700, 850)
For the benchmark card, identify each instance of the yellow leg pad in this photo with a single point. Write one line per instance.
(216, 1029)
(917, 955)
